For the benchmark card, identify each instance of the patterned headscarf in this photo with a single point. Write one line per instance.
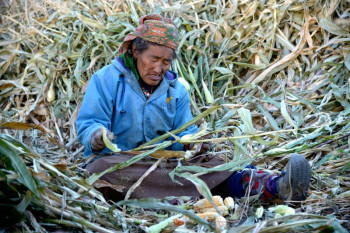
(154, 28)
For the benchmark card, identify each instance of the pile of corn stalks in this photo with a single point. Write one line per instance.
(279, 70)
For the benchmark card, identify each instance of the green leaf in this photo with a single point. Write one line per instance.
(347, 61)
(255, 67)
(285, 114)
(179, 130)
(22, 206)
(332, 28)
(223, 70)
(7, 42)
(269, 117)
(11, 151)
(247, 120)
(249, 128)
(90, 22)
(240, 148)
(304, 139)
(224, 120)
(15, 142)
(194, 83)
(199, 170)
(160, 226)
(78, 69)
(336, 226)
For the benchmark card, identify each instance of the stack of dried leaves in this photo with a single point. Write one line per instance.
(279, 70)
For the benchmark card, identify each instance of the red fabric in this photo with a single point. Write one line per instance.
(156, 29)
(258, 183)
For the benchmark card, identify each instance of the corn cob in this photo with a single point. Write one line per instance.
(220, 224)
(204, 203)
(229, 202)
(208, 96)
(223, 210)
(209, 216)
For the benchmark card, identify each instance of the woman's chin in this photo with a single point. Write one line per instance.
(152, 82)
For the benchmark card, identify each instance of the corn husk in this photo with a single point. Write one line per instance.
(282, 210)
(110, 145)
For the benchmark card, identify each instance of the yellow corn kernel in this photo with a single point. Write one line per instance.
(209, 216)
(229, 202)
(204, 203)
(223, 210)
(220, 224)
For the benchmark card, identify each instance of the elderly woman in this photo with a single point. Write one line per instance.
(138, 99)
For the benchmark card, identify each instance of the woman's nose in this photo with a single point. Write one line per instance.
(158, 68)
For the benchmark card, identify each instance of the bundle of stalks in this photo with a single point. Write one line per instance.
(269, 78)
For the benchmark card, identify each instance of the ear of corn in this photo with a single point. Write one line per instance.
(204, 203)
(185, 83)
(282, 210)
(259, 212)
(229, 202)
(203, 131)
(209, 216)
(51, 95)
(208, 96)
(223, 210)
(220, 224)
(187, 137)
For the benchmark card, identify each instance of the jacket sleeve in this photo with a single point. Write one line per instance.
(183, 115)
(96, 110)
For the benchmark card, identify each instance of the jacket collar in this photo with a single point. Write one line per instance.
(168, 81)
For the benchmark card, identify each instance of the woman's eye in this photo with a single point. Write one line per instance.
(152, 59)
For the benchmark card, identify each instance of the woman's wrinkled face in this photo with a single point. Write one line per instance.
(153, 62)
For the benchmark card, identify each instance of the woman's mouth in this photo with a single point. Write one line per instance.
(155, 77)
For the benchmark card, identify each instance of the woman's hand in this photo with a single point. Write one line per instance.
(201, 148)
(96, 140)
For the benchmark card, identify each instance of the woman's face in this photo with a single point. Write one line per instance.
(153, 62)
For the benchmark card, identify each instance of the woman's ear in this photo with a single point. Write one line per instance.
(135, 53)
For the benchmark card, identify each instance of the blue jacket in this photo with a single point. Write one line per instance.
(114, 99)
